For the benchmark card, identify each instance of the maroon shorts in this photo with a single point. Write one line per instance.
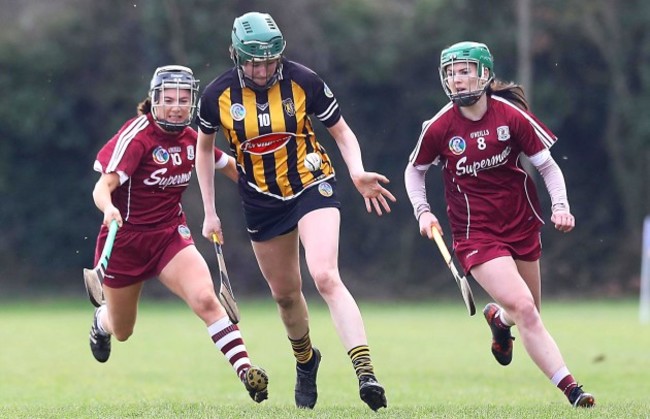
(142, 253)
(473, 252)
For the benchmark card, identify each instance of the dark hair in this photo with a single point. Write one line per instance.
(144, 107)
(509, 91)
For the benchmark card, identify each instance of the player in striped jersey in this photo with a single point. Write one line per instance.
(145, 168)
(263, 107)
(479, 138)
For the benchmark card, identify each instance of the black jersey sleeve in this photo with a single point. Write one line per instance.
(320, 100)
(207, 117)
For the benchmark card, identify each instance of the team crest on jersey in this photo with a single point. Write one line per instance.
(325, 189)
(503, 133)
(457, 145)
(267, 143)
(160, 155)
(190, 152)
(237, 111)
(328, 92)
(289, 107)
(184, 231)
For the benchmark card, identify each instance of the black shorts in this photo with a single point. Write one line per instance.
(268, 217)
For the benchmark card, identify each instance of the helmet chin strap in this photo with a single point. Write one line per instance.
(469, 99)
(247, 82)
(171, 127)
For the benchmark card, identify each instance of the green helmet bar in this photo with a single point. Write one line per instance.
(467, 52)
(256, 37)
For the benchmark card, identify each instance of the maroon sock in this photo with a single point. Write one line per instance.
(567, 384)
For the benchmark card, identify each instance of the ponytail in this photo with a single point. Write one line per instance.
(509, 91)
(144, 107)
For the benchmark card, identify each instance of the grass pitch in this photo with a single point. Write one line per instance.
(433, 359)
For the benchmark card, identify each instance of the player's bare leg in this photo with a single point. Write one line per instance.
(319, 233)
(116, 317)
(502, 279)
(187, 275)
(278, 259)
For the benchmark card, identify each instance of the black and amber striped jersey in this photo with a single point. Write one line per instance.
(270, 132)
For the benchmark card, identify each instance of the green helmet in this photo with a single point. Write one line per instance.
(467, 52)
(256, 37)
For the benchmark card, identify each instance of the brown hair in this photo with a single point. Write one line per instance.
(144, 107)
(509, 91)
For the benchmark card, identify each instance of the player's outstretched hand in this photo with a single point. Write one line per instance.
(374, 194)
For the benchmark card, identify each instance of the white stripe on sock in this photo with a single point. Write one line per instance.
(219, 325)
(559, 375)
(502, 317)
(100, 325)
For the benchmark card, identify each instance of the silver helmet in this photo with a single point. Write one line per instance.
(172, 77)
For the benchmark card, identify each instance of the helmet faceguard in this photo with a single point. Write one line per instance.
(466, 52)
(257, 39)
(172, 77)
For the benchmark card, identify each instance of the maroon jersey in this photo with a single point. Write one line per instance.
(154, 166)
(488, 192)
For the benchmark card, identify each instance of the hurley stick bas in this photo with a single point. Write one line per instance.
(93, 278)
(465, 289)
(225, 294)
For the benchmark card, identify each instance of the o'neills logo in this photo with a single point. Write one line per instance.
(267, 143)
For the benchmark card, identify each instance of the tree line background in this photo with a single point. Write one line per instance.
(72, 71)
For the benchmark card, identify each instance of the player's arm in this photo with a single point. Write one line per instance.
(348, 144)
(556, 187)
(104, 187)
(414, 181)
(367, 183)
(227, 166)
(205, 168)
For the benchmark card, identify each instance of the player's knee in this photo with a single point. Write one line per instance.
(287, 300)
(204, 303)
(327, 281)
(525, 312)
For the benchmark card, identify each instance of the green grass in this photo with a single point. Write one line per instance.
(433, 359)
